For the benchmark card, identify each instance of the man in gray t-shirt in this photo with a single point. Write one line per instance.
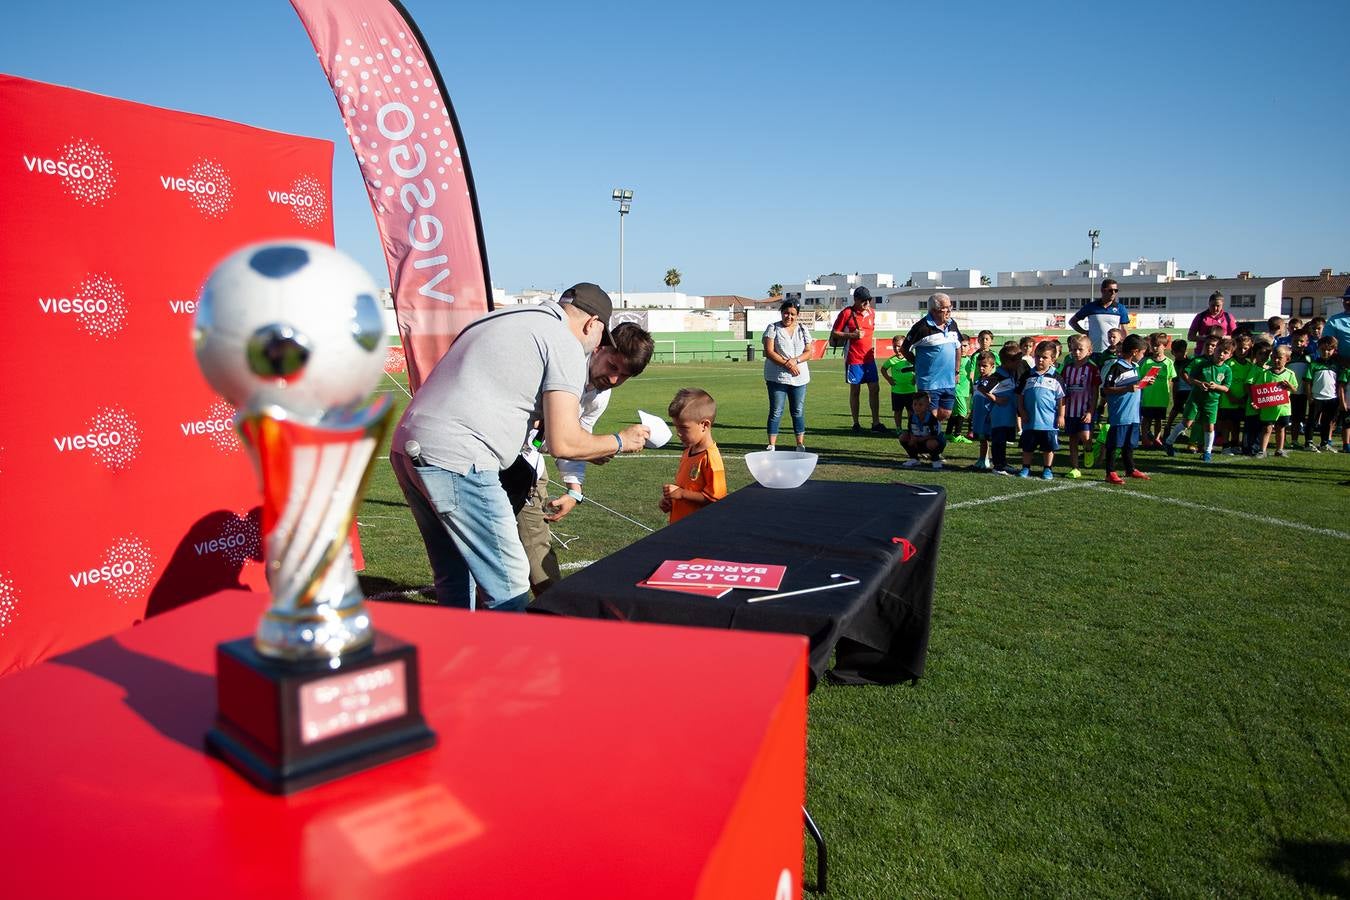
(468, 421)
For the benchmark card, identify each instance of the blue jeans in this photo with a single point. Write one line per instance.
(796, 394)
(470, 534)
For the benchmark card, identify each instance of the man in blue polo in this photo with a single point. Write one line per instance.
(931, 346)
(1102, 315)
(1338, 326)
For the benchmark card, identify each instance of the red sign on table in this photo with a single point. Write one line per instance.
(718, 572)
(1274, 393)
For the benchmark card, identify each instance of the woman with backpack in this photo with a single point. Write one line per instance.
(1213, 317)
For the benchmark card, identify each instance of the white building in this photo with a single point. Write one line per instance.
(1139, 271)
(953, 278)
(1034, 307)
(835, 290)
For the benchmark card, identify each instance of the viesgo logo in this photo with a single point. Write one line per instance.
(238, 541)
(97, 303)
(111, 437)
(9, 601)
(85, 171)
(217, 425)
(306, 199)
(124, 571)
(207, 183)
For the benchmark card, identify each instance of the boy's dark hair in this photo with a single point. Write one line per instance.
(1273, 319)
(1010, 355)
(1048, 346)
(1226, 343)
(1025, 342)
(1132, 343)
(1158, 339)
(1179, 344)
(986, 356)
(693, 405)
(983, 332)
(1317, 320)
(1327, 345)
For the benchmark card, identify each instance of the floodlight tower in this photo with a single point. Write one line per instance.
(1095, 236)
(623, 197)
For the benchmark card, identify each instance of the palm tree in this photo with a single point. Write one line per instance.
(775, 289)
(672, 279)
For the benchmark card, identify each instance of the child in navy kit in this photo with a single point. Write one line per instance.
(1081, 381)
(1041, 404)
(924, 434)
(1002, 393)
(982, 408)
(1121, 386)
(1181, 388)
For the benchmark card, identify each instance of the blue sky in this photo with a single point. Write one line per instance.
(769, 142)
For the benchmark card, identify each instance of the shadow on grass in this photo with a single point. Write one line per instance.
(1323, 865)
(376, 587)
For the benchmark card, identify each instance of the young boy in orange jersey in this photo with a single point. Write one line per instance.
(701, 478)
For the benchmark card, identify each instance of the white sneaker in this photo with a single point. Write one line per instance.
(910, 464)
(771, 447)
(937, 464)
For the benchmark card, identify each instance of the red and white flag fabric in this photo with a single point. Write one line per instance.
(411, 153)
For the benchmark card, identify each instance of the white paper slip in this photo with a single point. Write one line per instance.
(659, 430)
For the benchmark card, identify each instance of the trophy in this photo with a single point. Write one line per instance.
(292, 335)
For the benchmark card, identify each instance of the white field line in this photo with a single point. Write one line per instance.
(1069, 486)
(1252, 517)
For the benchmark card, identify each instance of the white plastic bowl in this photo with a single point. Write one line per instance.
(781, 468)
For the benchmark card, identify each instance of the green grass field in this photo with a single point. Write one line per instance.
(1139, 690)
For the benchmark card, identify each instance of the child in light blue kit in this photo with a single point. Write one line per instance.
(1002, 394)
(1041, 405)
(981, 407)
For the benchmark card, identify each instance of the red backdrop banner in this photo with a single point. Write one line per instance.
(125, 489)
(412, 157)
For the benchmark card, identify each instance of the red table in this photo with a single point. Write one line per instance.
(576, 759)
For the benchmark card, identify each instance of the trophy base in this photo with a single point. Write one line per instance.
(290, 726)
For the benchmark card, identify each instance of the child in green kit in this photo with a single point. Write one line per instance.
(899, 374)
(1276, 419)
(1256, 370)
(1233, 404)
(1153, 398)
(965, 369)
(1209, 378)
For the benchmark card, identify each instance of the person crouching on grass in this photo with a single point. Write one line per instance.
(924, 434)
(1041, 404)
(1121, 385)
(701, 478)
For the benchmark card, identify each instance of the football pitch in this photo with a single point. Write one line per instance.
(1130, 690)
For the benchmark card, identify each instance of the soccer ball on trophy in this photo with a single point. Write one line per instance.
(293, 324)
(290, 332)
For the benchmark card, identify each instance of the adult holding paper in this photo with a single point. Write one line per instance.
(469, 421)
(609, 367)
(787, 348)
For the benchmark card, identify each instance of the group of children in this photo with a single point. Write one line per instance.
(1135, 395)
(1132, 395)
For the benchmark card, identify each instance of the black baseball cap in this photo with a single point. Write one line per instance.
(590, 298)
(861, 293)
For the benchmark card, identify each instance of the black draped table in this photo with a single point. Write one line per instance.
(885, 535)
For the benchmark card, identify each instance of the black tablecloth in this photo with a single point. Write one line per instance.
(878, 628)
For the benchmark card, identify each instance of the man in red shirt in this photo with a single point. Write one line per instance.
(855, 325)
